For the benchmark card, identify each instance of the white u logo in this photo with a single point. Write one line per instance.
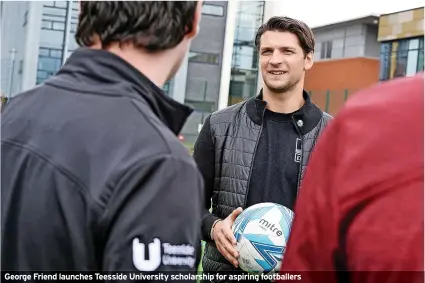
(139, 260)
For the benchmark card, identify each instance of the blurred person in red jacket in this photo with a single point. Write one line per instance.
(361, 206)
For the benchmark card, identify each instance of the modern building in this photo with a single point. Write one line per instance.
(220, 69)
(37, 38)
(236, 76)
(401, 36)
(346, 60)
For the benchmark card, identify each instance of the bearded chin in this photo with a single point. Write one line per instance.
(282, 88)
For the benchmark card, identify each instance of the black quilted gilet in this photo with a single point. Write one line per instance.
(235, 137)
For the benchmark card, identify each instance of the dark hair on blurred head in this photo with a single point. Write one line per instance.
(300, 29)
(153, 25)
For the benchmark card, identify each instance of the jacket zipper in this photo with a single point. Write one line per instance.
(301, 159)
(252, 163)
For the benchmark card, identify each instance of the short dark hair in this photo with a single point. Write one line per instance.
(153, 25)
(300, 29)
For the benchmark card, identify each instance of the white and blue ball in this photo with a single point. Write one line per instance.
(261, 232)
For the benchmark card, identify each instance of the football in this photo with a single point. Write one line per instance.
(261, 232)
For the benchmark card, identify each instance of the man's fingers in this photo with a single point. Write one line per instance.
(225, 253)
(228, 243)
(230, 237)
(225, 249)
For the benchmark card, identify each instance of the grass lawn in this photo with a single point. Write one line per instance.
(189, 146)
(200, 264)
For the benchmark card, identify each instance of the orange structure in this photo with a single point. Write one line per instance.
(345, 73)
(331, 82)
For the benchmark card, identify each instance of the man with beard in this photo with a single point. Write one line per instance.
(257, 151)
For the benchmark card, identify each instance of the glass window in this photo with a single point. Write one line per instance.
(56, 53)
(54, 18)
(245, 58)
(326, 50)
(203, 58)
(408, 55)
(75, 5)
(421, 61)
(245, 35)
(46, 24)
(401, 59)
(412, 57)
(51, 38)
(58, 26)
(49, 64)
(236, 88)
(200, 106)
(44, 52)
(243, 85)
(250, 14)
(244, 76)
(54, 11)
(213, 10)
(42, 74)
(421, 55)
(385, 61)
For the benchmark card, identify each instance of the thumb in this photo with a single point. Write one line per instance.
(235, 213)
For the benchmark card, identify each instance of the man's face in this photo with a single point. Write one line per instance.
(282, 60)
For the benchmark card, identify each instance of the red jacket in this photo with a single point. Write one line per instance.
(361, 206)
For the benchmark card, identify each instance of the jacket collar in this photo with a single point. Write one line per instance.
(105, 73)
(309, 113)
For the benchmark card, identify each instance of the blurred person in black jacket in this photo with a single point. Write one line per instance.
(93, 175)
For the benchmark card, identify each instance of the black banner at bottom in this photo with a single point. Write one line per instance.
(224, 277)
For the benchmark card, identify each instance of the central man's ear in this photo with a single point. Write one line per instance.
(309, 60)
(196, 20)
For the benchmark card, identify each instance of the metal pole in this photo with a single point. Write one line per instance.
(67, 31)
(12, 71)
(328, 94)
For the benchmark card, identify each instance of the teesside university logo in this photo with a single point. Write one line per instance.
(154, 260)
(165, 253)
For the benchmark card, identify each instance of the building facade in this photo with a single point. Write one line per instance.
(198, 84)
(346, 60)
(244, 68)
(401, 36)
(12, 45)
